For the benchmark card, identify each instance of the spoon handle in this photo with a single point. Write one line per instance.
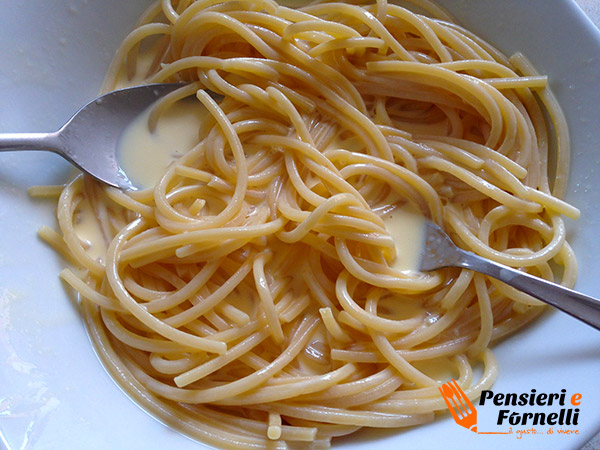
(31, 141)
(580, 306)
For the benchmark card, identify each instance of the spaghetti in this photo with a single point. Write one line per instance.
(250, 299)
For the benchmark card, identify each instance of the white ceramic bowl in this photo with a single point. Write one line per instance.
(53, 390)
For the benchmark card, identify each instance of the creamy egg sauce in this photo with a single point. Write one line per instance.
(145, 154)
(407, 228)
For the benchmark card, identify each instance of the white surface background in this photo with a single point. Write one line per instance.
(592, 10)
(54, 395)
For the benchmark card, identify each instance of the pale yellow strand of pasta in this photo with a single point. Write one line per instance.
(57, 242)
(45, 191)
(422, 25)
(169, 10)
(549, 251)
(372, 357)
(485, 314)
(274, 429)
(426, 191)
(65, 210)
(165, 302)
(346, 44)
(206, 235)
(211, 301)
(333, 327)
(482, 152)
(351, 417)
(474, 91)
(296, 388)
(288, 109)
(119, 197)
(405, 369)
(113, 276)
(480, 184)
(367, 18)
(401, 281)
(208, 18)
(560, 127)
(214, 364)
(88, 292)
(267, 301)
(368, 319)
(130, 41)
(315, 216)
(244, 384)
(335, 30)
(197, 7)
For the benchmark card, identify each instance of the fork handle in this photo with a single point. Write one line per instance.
(31, 141)
(580, 306)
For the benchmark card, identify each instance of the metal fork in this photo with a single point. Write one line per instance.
(439, 251)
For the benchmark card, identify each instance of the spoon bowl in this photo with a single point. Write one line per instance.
(89, 140)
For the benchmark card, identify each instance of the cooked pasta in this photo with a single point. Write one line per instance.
(250, 298)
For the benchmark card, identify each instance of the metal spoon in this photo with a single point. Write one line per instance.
(439, 251)
(89, 140)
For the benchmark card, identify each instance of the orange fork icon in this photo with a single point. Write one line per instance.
(459, 405)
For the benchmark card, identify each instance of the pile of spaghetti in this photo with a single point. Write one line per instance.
(250, 298)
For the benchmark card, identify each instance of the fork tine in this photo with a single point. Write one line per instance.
(450, 407)
(457, 393)
(438, 249)
(464, 396)
(460, 409)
